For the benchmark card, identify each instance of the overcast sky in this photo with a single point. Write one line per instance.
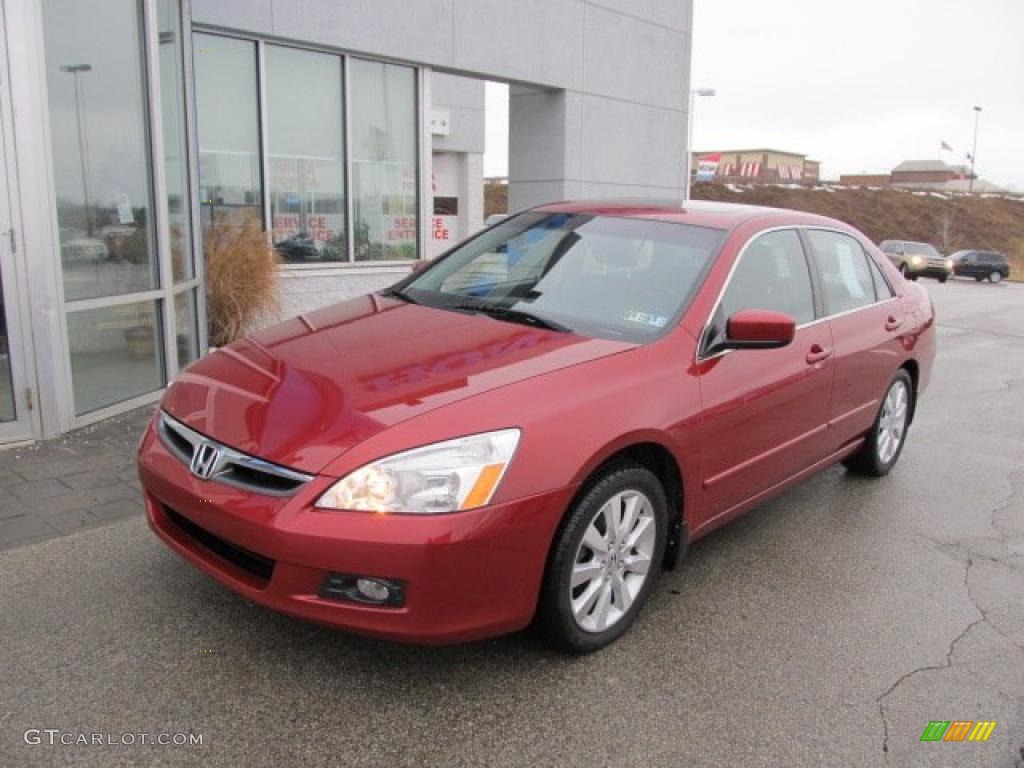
(858, 85)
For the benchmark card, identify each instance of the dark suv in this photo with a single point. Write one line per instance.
(981, 265)
(914, 259)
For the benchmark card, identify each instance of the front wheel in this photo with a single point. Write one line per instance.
(884, 441)
(604, 560)
(943, 278)
(995, 277)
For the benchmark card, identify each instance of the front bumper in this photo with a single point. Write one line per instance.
(467, 575)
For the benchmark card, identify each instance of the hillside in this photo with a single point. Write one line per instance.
(949, 222)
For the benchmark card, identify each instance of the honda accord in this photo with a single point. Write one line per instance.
(533, 426)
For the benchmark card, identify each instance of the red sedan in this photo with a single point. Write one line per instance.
(532, 427)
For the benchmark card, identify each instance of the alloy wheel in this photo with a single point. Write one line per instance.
(892, 423)
(613, 561)
(995, 277)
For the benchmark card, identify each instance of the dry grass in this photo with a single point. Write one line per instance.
(241, 277)
(960, 222)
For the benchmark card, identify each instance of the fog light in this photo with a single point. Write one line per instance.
(368, 590)
(373, 590)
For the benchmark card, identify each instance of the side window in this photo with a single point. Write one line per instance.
(772, 274)
(845, 276)
(883, 290)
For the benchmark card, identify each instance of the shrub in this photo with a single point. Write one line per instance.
(241, 277)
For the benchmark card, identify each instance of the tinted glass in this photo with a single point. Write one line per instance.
(772, 274)
(228, 122)
(614, 278)
(100, 149)
(845, 276)
(384, 184)
(307, 154)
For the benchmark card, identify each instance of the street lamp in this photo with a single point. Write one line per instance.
(694, 93)
(75, 70)
(974, 149)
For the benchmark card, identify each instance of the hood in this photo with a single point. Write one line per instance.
(302, 392)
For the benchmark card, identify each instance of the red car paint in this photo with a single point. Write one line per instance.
(330, 391)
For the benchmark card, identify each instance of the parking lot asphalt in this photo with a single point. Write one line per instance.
(827, 627)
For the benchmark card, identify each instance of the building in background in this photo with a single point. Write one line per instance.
(760, 165)
(134, 131)
(926, 175)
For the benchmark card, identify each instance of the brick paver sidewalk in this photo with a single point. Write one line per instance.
(84, 478)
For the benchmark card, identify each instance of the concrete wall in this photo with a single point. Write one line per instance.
(604, 113)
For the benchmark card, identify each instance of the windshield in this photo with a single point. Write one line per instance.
(922, 248)
(601, 276)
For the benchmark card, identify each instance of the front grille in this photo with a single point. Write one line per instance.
(255, 565)
(223, 464)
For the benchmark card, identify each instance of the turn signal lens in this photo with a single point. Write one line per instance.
(458, 474)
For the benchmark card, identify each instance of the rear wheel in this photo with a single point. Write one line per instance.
(995, 276)
(605, 560)
(979, 278)
(884, 441)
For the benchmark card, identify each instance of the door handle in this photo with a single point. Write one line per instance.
(817, 354)
(892, 323)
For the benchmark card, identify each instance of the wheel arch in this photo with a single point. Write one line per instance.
(914, 371)
(653, 452)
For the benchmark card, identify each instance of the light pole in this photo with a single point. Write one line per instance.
(75, 70)
(694, 93)
(974, 149)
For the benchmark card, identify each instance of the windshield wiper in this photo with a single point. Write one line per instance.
(511, 315)
(398, 293)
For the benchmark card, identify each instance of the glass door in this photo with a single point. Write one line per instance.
(15, 398)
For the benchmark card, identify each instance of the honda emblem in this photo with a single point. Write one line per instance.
(204, 460)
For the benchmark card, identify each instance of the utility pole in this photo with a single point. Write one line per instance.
(75, 70)
(974, 149)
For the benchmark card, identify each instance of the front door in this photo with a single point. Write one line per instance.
(764, 412)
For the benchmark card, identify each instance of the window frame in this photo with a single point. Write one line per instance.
(704, 339)
(820, 311)
(421, 130)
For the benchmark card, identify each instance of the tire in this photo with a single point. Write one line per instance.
(979, 278)
(944, 278)
(995, 276)
(878, 456)
(599, 618)
(905, 271)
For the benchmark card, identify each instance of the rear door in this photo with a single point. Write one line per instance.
(866, 319)
(764, 412)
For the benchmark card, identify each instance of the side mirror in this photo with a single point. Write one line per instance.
(419, 266)
(758, 329)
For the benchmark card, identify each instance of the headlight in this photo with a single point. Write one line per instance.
(916, 260)
(949, 263)
(454, 475)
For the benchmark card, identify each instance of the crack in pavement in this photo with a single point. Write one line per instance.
(971, 556)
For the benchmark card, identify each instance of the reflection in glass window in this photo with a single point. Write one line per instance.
(227, 106)
(772, 275)
(186, 323)
(116, 354)
(172, 110)
(306, 154)
(383, 101)
(95, 88)
(845, 275)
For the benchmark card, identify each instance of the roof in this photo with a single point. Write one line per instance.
(697, 212)
(746, 151)
(928, 166)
